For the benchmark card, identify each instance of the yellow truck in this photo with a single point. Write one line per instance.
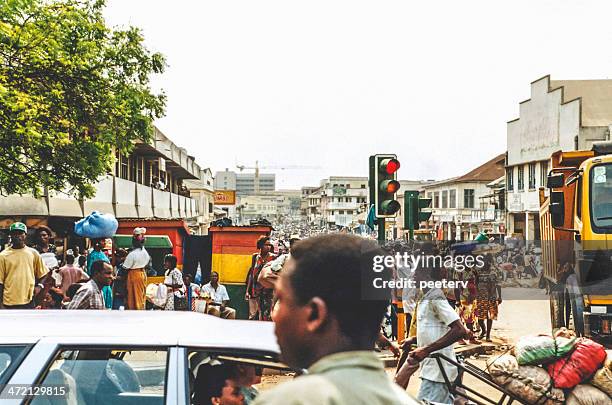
(576, 233)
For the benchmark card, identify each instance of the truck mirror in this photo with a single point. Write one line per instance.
(554, 180)
(557, 208)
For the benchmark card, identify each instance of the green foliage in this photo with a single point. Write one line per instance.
(71, 89)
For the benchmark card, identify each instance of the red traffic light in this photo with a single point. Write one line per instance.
(389, 186)
(389, 166)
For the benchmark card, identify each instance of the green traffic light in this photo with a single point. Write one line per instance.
(390, 207)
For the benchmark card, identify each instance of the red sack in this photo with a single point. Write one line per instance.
(581, 364)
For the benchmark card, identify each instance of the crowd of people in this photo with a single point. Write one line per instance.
(37, 277)
(308, 287)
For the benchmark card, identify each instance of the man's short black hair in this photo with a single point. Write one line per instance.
(210, 381)
(72, 290)
(172, 260)
(262, 241)
(70, 259)
(332, 267)
(97, 267)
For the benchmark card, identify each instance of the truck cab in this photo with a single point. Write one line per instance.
(576, 225)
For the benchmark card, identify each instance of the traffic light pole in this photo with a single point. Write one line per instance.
(381, 229)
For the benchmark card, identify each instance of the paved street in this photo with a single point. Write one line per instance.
(517, 317)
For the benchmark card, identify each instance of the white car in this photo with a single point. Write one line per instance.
(121, 357)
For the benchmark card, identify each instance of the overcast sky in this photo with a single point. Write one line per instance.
(327, 83)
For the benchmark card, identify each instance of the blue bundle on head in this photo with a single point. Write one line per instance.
(96, 225)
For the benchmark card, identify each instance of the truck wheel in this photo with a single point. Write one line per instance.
(557, 309)
(574, 306)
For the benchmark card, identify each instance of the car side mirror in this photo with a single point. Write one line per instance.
(557, 208)
(554, 180)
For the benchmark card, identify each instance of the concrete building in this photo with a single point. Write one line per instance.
(314, 214)
(459, 208)
(149, 183)
(560, 115)
(225, 180)
(275, 206)
(244, 183)
(341, 200)
(202, 191)
(305, 200)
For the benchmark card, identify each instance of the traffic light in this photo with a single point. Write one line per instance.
(416, 209)
(424, 209)
(384, 185)
(411, 211)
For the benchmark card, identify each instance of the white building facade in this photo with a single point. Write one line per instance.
(459, 205)
(560, 115)
(342, 199)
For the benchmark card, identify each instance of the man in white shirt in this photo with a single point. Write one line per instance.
(135, 264)
(438, 328)
(218, 298)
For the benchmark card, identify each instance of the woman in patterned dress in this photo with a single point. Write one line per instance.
(488, 297)
(174, 282)
(467, 296)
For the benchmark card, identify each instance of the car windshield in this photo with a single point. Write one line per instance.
(601, 195)
(9, 357)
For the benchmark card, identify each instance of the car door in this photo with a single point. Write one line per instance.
(122, 374)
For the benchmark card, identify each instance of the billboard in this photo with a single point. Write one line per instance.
(225, 197)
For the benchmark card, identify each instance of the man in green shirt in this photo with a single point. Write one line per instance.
(323, 324)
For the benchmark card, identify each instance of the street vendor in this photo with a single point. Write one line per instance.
(135, 264)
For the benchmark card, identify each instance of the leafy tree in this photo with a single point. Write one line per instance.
(71, 90)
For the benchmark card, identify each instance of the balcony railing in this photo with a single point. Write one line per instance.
(122, 198)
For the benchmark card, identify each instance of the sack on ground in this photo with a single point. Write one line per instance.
(157, 294)
(608, 362)
(531, 350)
(564, 332)
(603, 380)
(587, 395)
(530, 383)
(581, 364)
(502, 367)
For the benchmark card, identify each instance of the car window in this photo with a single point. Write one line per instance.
(10, 357)
(242, 375)
(108, 375)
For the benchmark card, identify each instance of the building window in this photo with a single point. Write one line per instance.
(210, 207)
(468, 198)
(147, 174)
(532, 181)
(341, 212)
(543, 173)
(429, 195)
(436, 199)
(363, 186)
(510, 178)
(124, 167)
(521, 178)
(452, 202)
(445, 199)
(139, 171)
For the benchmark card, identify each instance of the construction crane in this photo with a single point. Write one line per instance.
(257, 167)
